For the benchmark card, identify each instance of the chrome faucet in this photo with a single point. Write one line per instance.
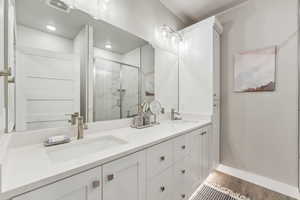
(80, 123)
(73, 119)
(76, 119)
(175, 115)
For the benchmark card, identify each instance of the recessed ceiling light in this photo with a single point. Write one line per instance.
(51, 28)
(108, 46)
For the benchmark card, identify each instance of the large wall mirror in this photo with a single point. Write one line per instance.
(66, 61)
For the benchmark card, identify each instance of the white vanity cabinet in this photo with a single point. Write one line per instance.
(177, 178)
(171, 170)
(125, 178)
(199, 158)
(84, 186)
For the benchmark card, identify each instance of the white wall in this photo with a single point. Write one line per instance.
(29, 37)
(148, 73)
(166, 79)
(259, 130)
(140, 17)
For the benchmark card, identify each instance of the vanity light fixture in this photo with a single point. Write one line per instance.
(51, 27)
(108, 46)
(168, 32)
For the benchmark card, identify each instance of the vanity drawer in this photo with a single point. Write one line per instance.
(159, 158)
(181, 147)
(160, 187)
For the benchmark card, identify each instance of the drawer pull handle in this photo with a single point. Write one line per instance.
(110, 177)
(183, 196)
(162, 158)
(183, 171)
(96, 184)
(162, 188)
(183, 147)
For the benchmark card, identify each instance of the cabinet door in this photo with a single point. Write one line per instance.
(217, 64)
(125, 178)
(194, 159)
(216, 134)
(84, 186)
(198, 158)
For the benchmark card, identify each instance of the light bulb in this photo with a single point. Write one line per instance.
(51, 27)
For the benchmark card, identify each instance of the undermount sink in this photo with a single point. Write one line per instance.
(82, 148)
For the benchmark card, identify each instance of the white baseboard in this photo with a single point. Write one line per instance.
(262, 181)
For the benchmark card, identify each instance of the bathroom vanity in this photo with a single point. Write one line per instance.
(164, 162)
(81, 64)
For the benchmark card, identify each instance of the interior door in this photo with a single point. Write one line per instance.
(84, 186)
(47, 88)
(125, 178)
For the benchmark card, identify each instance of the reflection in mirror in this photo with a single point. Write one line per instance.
(66, 62)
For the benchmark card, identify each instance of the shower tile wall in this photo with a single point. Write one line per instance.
(107, 96)
(130, 95)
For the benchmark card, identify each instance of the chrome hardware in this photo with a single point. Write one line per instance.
(80, 128)
(96, 184)
(110, 177)
(183, 147)
(6, 72)
(74, 116)
(162, 188)
(162, 158)
(204, 133)
(175, 115)
(183, 171)
(11, 80)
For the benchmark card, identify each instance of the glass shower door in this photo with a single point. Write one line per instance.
(107, 99)
(130, 91)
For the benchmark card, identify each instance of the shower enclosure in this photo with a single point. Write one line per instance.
(116, 90)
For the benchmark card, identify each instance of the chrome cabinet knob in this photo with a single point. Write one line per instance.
(110, 177)
(96, 184)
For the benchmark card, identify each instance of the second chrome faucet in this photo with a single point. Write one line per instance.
(78, 120)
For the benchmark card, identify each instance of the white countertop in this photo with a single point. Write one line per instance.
(29, 167)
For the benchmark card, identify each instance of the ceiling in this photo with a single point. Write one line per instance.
(36, 14)
(190, 11)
